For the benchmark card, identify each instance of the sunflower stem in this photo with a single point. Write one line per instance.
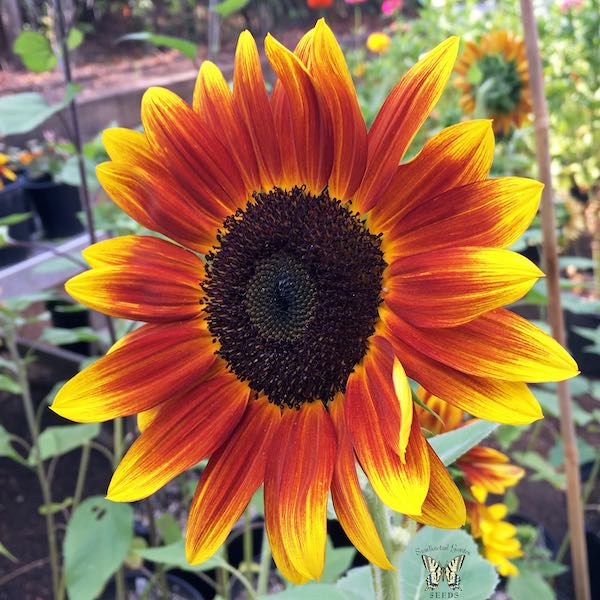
(385, 582)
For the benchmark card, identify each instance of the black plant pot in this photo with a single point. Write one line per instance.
(13, 201)
(588, 362)
(57, 205)
(63, 316)
(592, 539)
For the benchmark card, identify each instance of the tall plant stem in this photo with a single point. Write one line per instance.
(555, 314)
(61, 36)
(160, 569)
(265, 566)
(385, 582)
(11, 343)
(248, 545)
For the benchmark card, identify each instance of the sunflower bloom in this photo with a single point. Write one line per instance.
(499, 63)
(5, 171)
(329, 273)
(498, 537)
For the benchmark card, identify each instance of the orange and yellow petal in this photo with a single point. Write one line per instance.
(234, 472)
(143, 371)
(400, 117)
(192, 153)
(349, 131)
(252, 102)
(308, 116)
(449, 287)
(156, 201)
(498, 344)
(401, 485)
(494, 213)
(444, 506)
(297, 482)
(140, 277)
(213, 102)
(348, 500)
(457, 155)
(186, 430)
(491, 399)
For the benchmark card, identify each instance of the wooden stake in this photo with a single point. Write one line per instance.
(555, 314)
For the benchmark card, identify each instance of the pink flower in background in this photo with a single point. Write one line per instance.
(388, 7)
(566, 5)
(355, 1)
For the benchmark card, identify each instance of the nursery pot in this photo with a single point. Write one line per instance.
(13, 201)
(588, 362)
(63, 317)
(57, 205)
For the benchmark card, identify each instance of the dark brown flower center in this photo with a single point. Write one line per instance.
(292, 293)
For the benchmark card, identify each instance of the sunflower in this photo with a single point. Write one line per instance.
(499, 63)
(498, 536)
(485, 470)
(307, 275)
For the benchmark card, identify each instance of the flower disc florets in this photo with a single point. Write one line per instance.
(292, 294)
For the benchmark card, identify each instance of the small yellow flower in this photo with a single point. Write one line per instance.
(378, 42)
(5, 172)
(499, 538)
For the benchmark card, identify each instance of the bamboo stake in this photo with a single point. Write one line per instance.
(555, 314)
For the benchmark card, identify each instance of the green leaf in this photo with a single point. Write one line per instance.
(586, 452)
(542, 469)
(4, 551)
(310, 591)
(20, 113)
(58, 336)
(14, 219)
(35, 51)
(97, 541)
(579, 262)
(54, 441)
(549, 402)
(478, 576)
(74, 38)
(8, 384)
(169, 528)
(527, 585)
(507, 435)
(186, 47)
(6, 447)
(229, 7)
(337, 561)
(69, 173)
(21, 303)
(55, 506)
(453, 444)
(173, 555)
(357, 584)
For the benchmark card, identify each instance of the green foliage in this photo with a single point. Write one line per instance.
(98, 538)
(74, 38)
(35, 51)
(20, 113)
(230, 7)
(337, 561)
(4, 551)
(173, 555)
(54, 441)
(357, 584)
(58, 336)
(186, 47)
(6, 447)
(527, 585)
(478, 576)
(310, 591)
(8, 384)
(452, 445)
(14, 219)
(542, 469)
